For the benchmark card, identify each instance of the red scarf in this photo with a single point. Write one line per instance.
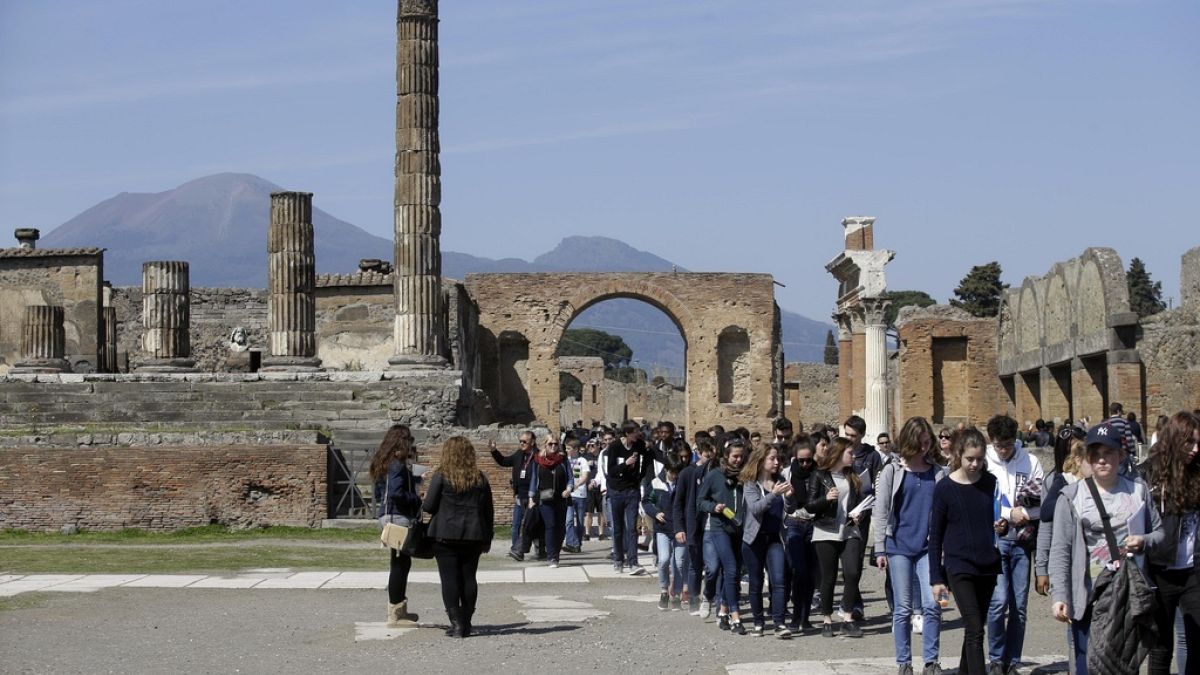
(548, 462)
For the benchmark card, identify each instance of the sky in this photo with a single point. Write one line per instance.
(724, 136)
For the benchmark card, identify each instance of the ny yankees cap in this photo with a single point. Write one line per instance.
(1106, 435)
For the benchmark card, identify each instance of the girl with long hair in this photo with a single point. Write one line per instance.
(964, 513)
(1070, 465)
(549, 490)
(762, 535)
(802, 559)
(1173, 472)
(834, 491)
(903, 504)
(396, 496)
(461, 524)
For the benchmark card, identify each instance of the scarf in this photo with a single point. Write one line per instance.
(548, 462)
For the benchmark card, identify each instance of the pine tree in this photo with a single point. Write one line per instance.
(1145, 295)
(979, 292)
(831, 352)
(903, 299)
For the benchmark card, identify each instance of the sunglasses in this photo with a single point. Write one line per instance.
(943, 437)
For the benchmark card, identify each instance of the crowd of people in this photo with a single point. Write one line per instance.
(956, 515)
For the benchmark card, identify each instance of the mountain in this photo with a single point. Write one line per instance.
(219, 225)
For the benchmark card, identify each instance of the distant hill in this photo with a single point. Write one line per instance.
(219, 225)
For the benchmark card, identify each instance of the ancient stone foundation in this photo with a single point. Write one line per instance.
(291, 284)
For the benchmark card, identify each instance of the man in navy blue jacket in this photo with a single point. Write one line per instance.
(689, 526)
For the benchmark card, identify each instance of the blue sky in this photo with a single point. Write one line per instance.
(726, 136)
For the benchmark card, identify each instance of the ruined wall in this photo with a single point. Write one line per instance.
(589, 370)
(947, 366)
(810, 394)
(522, 317)
(71, 278)
(165, 487)
(355, 319)
(1170, 348)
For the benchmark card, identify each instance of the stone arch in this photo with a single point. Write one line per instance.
(1029, 319)
(656, 296)
(1007, 326)
(733, 351)
(1091, 311)
(1058, 314)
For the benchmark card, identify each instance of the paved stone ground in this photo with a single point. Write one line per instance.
(577, 619)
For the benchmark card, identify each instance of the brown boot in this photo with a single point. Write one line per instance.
(399, 617)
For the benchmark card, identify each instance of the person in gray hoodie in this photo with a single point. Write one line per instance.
(1079, 548)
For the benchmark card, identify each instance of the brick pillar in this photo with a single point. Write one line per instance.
(419, 328)
(1125, 381)
(166, 317)
(858, 400)
(1056, 405)
(43, 341)
(845, 366)
(291, 285)
(1028, 390)
(859, 233)
(1087, 395)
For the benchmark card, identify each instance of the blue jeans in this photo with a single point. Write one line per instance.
(766, 551)
(1006, 639)
(712, 568)
(1077, 644)
(575, 511)
(902, 568)
(730, 556)
(624, 524)
(803, 563)
(518, 518)
(554, 516)
(672, 563)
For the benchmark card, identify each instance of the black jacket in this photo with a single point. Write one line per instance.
(684, 515)
(621, 476)
(656, 500)
(717, 489)
(824, 511)
(519, 461)
(460, 516)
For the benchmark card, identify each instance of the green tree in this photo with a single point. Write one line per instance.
(592, 342)
(1145, 295)
(831, 352)
(979, 292)
(903, 299)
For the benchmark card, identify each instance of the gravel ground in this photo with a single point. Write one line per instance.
(131, 630)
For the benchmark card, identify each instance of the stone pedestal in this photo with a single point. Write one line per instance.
(166, 317)
(291, 285)
(43, 341)
(876, 367)
(420, 327)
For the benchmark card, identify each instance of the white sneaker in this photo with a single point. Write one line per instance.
(637, 571)
(918, 623)
(705, 610)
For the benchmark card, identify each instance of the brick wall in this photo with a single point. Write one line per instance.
(948, 367)
(111, 488)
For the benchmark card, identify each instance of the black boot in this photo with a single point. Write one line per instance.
(466, 628)
(455, 629)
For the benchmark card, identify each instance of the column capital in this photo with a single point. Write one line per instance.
(874, 310)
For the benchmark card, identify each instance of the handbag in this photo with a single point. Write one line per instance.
(394, 536)
(418, 544)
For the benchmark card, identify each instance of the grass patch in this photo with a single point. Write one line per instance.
(190, 535)
(196, 560)
(23, 601)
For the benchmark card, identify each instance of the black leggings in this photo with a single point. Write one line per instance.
(1175, 590)
(850, 552)
(398, 577)
(457, 562)
(972, 594)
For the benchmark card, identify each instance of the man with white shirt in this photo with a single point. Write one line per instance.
(1017, 472)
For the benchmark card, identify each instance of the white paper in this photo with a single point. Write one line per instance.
(419, 469)
(865, 505)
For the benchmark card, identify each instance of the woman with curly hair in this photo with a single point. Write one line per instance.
(461, 525)
(396, 495)
(1173, 472)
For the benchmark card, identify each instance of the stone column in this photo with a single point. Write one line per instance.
(291, 285)
(419, 324)
(874, 311)
(43, 341)
(108, 355)
(166, 317)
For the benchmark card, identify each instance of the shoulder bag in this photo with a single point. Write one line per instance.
(394, 534)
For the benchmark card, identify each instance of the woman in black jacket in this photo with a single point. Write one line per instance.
(1173, 472)
(396, 495)
(834, 490)
(549, 491)
(461, 524)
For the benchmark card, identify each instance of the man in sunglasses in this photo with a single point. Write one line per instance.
(521, 463)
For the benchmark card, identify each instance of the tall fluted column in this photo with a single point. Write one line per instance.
(874, 311)
(419, 330)
(291, 284)
(166, 317)
(43, 341)
(108, 354)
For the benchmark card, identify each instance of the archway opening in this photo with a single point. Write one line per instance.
(629, 358)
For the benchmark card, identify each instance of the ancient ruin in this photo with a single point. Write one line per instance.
(862, 339)
(291, 284)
